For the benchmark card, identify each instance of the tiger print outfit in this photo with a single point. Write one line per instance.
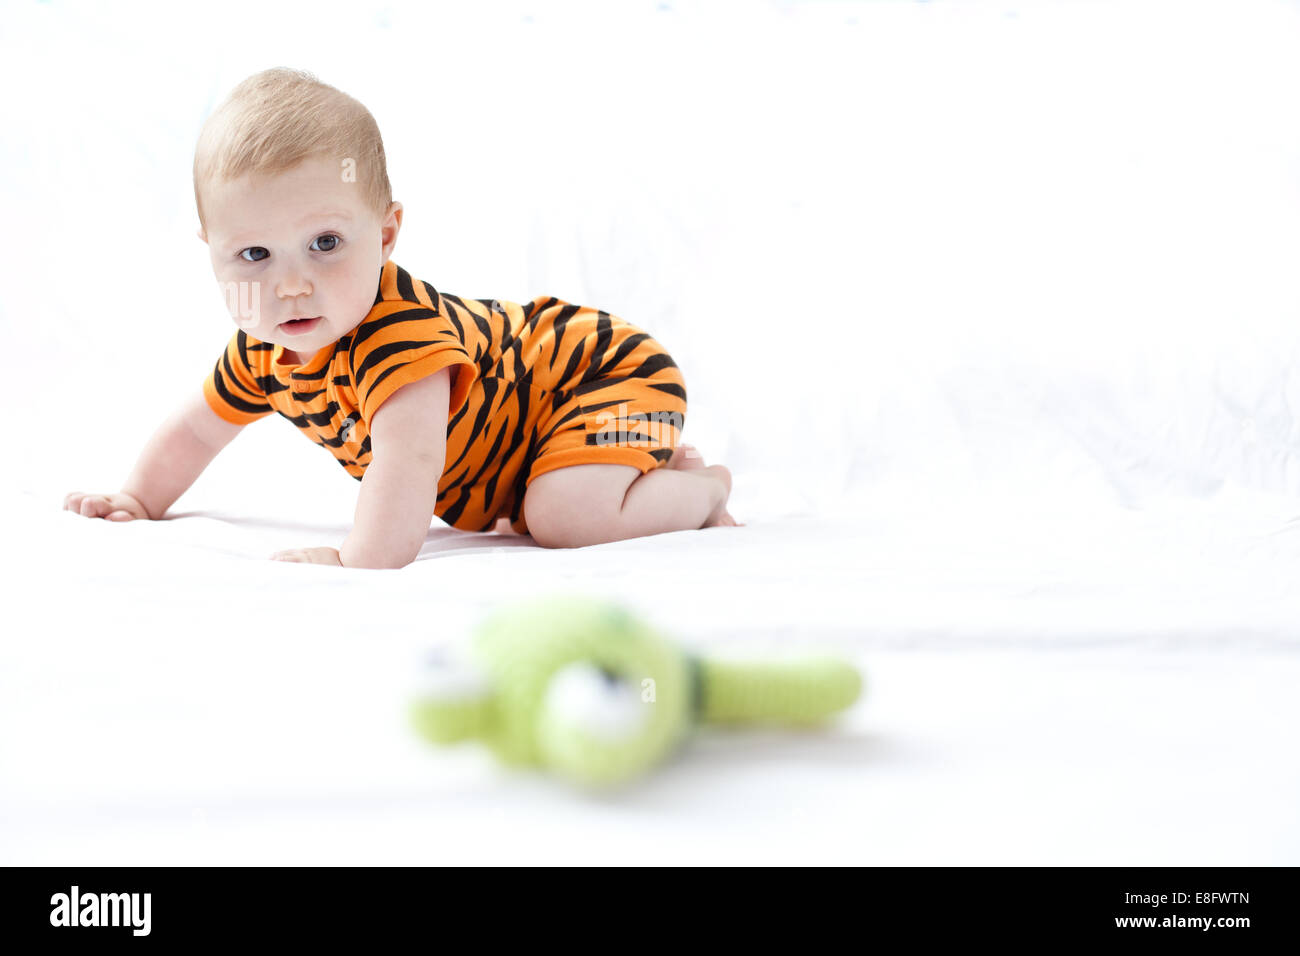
(535, 386)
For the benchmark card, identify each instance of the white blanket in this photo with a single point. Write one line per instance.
(1101, 689)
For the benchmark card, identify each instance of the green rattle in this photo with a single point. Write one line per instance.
(582, 687)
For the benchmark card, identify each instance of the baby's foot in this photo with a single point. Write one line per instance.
(724, 520)
(685, 458)
(688, 458)
(720, 516)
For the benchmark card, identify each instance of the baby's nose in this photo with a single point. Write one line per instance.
(292, 285)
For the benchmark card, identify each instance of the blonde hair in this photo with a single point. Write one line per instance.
(275, 119)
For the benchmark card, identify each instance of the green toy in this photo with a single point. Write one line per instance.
(583, 687)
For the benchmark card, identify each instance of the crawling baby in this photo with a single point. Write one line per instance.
(543, 417)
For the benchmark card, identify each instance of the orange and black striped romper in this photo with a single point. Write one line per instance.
(535, 386)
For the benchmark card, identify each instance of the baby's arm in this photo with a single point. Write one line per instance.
(173, 458)
(408, 445)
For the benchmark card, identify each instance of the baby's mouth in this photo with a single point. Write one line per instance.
(298, 326)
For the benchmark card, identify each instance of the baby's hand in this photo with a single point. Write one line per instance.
(310, 556)
(118, 507)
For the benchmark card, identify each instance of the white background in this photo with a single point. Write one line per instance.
(940, 246)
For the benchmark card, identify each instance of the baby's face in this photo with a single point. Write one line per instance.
(299, 244)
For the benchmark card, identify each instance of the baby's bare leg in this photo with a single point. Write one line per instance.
(592, 504)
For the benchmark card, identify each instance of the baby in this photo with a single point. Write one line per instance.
(542, 418)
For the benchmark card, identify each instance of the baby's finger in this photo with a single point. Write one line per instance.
(92, 505)
(120, 516)
(72, 500)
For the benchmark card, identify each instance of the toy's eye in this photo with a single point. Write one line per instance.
(597, 700)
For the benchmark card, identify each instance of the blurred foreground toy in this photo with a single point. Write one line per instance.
(584, 688)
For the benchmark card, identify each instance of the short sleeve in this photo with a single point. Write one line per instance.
(231, 388)
(403, 345)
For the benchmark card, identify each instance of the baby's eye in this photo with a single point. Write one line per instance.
(329, 238)
(257, 258)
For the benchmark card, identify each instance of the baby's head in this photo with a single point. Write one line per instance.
(295, 206)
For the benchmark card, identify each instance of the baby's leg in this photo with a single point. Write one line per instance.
(592, 504)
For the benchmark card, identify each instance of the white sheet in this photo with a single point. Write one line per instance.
(1102, 690)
